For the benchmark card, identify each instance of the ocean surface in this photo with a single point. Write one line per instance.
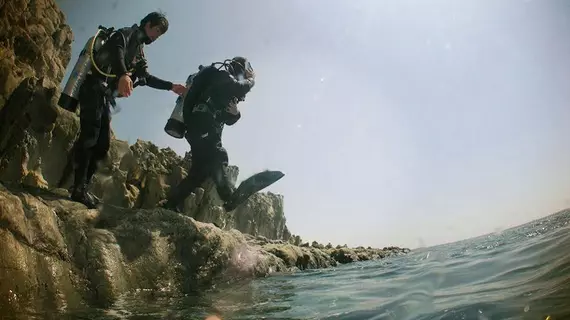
(520, 273)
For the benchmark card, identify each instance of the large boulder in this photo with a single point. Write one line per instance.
(75, 255)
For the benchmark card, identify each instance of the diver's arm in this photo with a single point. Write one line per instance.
(153, 81)
(157, 83)
(117, 49)
(240, 88)
(243, 85)
(231, 119)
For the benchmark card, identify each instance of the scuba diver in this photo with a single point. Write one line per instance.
(106, 69)
(211, 103)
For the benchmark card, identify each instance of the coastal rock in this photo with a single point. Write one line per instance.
(56, 249)
(36, 43)
(34, 53)
(35, 135)
(100, 254)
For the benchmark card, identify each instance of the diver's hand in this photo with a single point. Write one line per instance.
(125, 86)
(250, 74)
(232, 107)
(179, 89)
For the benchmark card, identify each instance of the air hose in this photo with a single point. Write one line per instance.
(92, 57)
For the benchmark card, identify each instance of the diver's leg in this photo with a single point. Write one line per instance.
(102, 146)
(68, 169)
(100, 151)
(196, 176)
(219, 167)
(92, 104)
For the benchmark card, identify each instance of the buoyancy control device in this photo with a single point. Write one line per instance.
(175, 126)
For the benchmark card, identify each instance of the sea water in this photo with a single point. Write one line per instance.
(520, 273)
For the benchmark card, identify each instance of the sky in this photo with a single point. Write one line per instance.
(407, 123)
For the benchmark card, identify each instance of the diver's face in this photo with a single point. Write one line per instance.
(152, 33)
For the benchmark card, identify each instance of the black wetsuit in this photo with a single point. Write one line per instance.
(121, 53)
(205, 116)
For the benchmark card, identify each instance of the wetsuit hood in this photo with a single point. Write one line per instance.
(141, 34)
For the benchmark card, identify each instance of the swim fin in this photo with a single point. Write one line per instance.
(251, 185)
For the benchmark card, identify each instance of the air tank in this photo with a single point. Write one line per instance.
(69, 97)
(175, 126)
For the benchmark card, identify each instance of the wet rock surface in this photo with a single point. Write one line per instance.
(57, 251)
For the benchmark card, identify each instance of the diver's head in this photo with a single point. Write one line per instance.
(240, 68)
(154, 24)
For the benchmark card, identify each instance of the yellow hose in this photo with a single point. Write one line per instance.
(91, 55)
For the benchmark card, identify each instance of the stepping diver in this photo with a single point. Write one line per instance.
(110, 68)
(210, 104)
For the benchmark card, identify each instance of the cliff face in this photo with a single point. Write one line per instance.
(35, 48)
(35, 41)
(56, 253)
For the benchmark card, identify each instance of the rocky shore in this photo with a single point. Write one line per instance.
(55, 253)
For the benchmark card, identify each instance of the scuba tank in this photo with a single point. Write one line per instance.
(70, 94)
(175, 126)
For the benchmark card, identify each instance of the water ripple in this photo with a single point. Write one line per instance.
(520, 273)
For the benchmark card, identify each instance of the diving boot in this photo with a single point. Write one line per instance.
(168, 205)
(88, 195)
(92, 198)
(229, 206)
(80, 195)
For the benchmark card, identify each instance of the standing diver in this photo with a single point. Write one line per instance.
(209, 105)
(122, 58)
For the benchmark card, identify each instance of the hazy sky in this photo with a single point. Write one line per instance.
(396, 122)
